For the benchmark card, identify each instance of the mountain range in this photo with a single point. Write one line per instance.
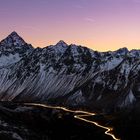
(69, 75)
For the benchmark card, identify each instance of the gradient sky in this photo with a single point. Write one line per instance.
(99, 24)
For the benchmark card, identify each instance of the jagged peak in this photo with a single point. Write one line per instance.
(13, 40)
(62, 43)
(123, 50)
(135, 52)
(14, 33)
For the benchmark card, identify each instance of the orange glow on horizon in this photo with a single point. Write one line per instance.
(95, 44)
(101, 25)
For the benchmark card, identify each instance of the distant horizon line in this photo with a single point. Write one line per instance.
(68, 44)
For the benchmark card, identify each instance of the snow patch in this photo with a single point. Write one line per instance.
(7, 60)
(130, 98)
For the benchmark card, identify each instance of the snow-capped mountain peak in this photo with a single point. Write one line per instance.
(122, 51)
(61, 43)
(12, 49)
(13, 40)
(14, 33)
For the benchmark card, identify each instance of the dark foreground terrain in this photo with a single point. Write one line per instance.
(22, 122)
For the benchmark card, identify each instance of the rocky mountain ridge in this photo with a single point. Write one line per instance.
(65, 74)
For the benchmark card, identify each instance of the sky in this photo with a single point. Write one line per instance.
(98, 24)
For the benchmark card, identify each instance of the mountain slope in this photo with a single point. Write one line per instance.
(68, 75)
(12, 49)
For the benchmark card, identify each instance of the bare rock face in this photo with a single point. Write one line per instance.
(68, 75)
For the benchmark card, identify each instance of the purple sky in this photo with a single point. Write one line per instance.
(98, 24)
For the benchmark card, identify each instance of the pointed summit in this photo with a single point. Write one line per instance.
(61, 43)
(14, 33)
(13, 40)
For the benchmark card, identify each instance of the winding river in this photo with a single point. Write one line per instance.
(78, 114)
